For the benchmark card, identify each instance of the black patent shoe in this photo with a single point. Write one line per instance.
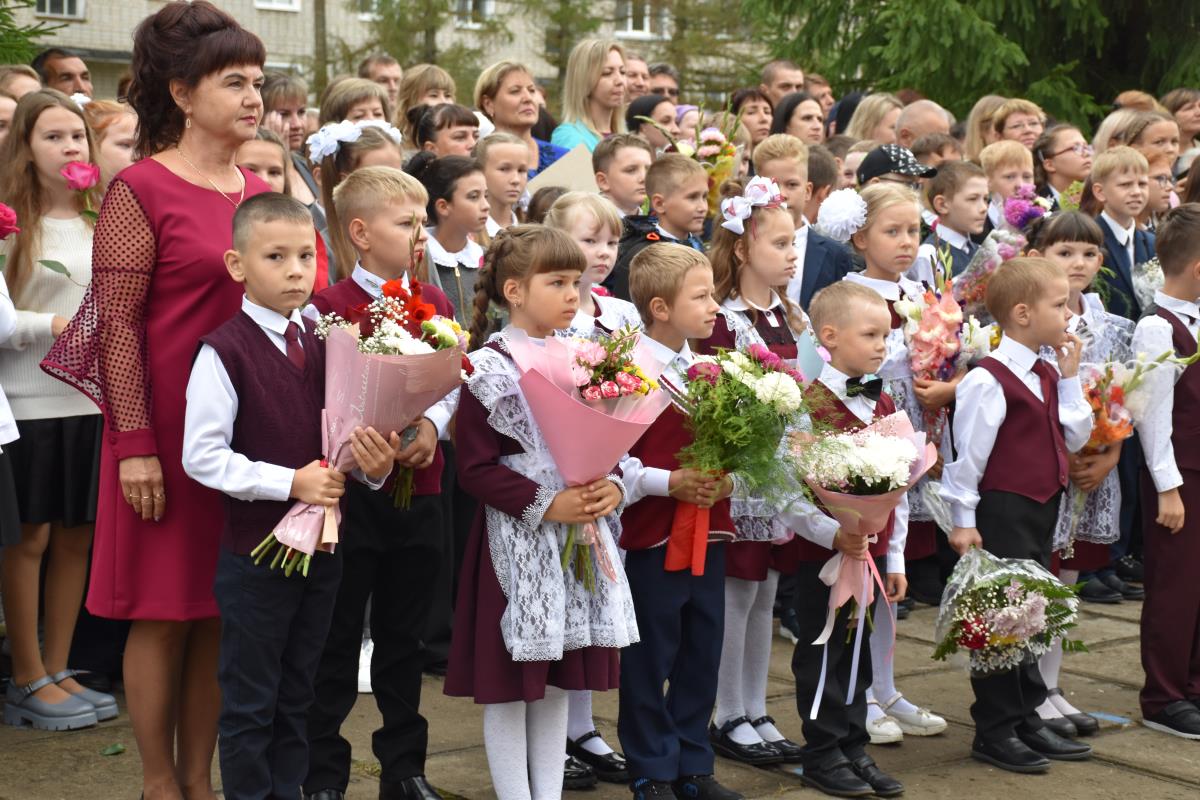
(1130, 570)
(882, 784)
(648, 789)
(1062, 726)
(838, 780)
(1085, 724)
(414, 788)
(610, 768)
(789, 750)
(757, 754)
(1097, 591)
(702, 787)
(1181, 719)
(1011, 754)
(1046, 742)
(1127, 590)
(578, 775)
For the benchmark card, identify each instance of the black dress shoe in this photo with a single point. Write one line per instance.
(1097, 591)
(1010, 754)
(96, 681)
(1181, 719)
(1085, 724)
(789, 750)
(902, 611)
(414, 788)
(839, 780)
(1062, 726)
(757, 754)
(1126, 590)
(610, 768)
(882, 784)
(326, 794)
(578, 775)
(1046, 742)
(647, 789)
(1130, 570)
(702, 787)
(436, 668)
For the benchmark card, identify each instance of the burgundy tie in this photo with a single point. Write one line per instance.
(1049, 379)
(295, 352)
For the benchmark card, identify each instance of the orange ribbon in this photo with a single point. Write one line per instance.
(688, 544)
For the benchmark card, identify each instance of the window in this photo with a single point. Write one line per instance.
(70, 9)
(641, 19)
(277, 5)
(473, 13)
(368, 10)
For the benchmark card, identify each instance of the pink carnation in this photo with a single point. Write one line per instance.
(709, 151)
(591, 393)
(628, 383)
(590, 354)
(609, 390)
(704, 371)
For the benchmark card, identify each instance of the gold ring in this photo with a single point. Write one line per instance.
(159, 496)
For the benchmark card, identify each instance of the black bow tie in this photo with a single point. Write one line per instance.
(873, 388)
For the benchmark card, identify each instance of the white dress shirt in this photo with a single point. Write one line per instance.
(642, 481)
(896, 364)
(980, 411)
(615, 314)
(922, 269)
(822, 533)
(1124, 235)
(1154, 336)
(800, 245)
(212, 407)
(996, 213)
(494, 227)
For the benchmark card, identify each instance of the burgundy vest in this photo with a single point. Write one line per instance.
(829, 409)
(346, 294)
(778, 338)
(278, 418)
(1029, 457)
(647, 522)
(1185, 422)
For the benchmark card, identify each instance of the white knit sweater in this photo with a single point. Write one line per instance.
(32, 393)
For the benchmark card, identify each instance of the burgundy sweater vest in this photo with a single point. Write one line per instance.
(1185, 422)
(778, 338)
(1029, 457)
(278, 418)
(828, 409)
(346, 294)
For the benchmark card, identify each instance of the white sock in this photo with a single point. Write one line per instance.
(759, 632)
(1047, 710)
(739, 599)
(1050, 663)
(874, 711)
(504, 742)
(883, 686)
(1060, 703)
(580, 722)
(546, 737)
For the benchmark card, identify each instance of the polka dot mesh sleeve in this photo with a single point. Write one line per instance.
(102, 352)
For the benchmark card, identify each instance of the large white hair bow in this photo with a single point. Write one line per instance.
(842, 215)
(392, 131)
(759, 193)
(328, 140)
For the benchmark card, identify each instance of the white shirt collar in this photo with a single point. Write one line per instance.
(494, 227)
(996, 213)
(834, 380)
(467, 257)
(739, 303)
(664, 232)
(371, 283)
(950, 236)
(1124, 235)
(1017, 353)
(668, 357)
(800, 237)
(1054, 193)
(928, 215)
(271, 320)
(889, 290)
(1174, 304)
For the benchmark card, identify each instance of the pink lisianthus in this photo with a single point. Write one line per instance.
(1007, 252)
(80, 175)
(712, 135)
(609, 390)
(704, 370)
(592, 393)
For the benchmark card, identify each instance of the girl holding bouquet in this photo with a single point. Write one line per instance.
(884, 226)
(1092, 522)
(526, 631)
(753, 260)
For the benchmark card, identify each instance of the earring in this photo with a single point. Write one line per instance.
(187, 122)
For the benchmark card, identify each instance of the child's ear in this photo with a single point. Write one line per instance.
(827, 337)
(233, 265)
(514, 293)
(359, 238)
(823, 192)
(602, 181)
(940, 204)
(739, 249)
(442, 207)
(316, 173)
(808, 191)
(1098, 192)
(658, 204)
(858, 240)
(1019, 315)
(660, 311)
(1033, 253)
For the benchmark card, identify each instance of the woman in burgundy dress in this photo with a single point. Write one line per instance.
(159, 284)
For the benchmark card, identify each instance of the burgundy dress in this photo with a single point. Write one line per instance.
(158, 284)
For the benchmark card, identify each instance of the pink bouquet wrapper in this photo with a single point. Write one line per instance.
(852, 579)
(307, 527)
(585, 440)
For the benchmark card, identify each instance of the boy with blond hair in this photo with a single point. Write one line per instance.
(1121, 181)
(1008, 165)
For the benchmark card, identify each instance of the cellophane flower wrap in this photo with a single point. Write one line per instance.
(714, 150)
(970, 287)
(1001, 612)
(738, 405)
(383, 370)
(587, 435)
(1147, 279)
(860, 477)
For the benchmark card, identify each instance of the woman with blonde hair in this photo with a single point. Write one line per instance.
(1113, 129)
(980, 132)
(114, 129)
(506, 94)
(875, 118)
(354, 99)
(423, 84)
(1020, 120)
(593, 93)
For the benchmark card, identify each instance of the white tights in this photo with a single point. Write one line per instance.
(746, 657)
(526, 746)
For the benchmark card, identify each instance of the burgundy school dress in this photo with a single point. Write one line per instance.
(480, 664)
(159, 283)
(749, 561)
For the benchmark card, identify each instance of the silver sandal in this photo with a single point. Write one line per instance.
(105, 704)
(22, 708)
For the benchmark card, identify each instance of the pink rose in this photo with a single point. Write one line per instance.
(704, 371)
(8, 221)
(609, 390)
(81, 175)
(591, 393)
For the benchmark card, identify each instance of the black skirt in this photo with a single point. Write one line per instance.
(10, 520)
(56, 469)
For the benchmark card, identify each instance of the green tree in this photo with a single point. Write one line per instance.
(1070, 56)
(20, 43)
(713, 47)
(564, 23)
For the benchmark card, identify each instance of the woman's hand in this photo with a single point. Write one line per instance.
(142, 484)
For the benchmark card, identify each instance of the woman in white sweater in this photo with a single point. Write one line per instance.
(54, 464)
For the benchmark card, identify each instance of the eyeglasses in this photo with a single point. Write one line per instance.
(1080, 149)
(914, 185)
(1028, 125)
(667, 91)
(1163, 181)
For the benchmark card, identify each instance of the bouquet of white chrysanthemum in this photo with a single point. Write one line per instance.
(861, 463)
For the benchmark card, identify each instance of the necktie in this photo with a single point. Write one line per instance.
(872, 389)
(1048, 376)
(295, 352)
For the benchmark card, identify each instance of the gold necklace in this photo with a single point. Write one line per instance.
(212, 183)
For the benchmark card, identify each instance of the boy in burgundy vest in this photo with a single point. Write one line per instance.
(1170, 435)
(252, 430)
(680, 614)
(1017, 418)
(392, 556)
(852, 322)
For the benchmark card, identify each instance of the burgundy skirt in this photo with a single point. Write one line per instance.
(747, 560)
(480, 665)
(921, 541)
(1088, 557)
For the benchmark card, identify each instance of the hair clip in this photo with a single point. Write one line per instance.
(842, 215)
(759, 193)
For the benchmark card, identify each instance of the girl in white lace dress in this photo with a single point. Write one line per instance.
(525, 631)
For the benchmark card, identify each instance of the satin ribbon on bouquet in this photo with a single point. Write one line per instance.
(580, 540)
(688, 543)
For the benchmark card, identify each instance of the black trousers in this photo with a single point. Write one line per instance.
(392, 556)
(1012, 526)
(840, 730)
(272, 630)
(681, 619)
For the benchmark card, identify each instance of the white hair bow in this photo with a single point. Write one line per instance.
(328, 140)
(759, 193)
(842, 215)
(392, 131)
(80, 99)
